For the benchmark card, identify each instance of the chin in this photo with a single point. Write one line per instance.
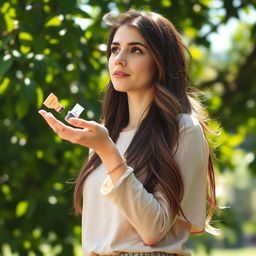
(120, 88)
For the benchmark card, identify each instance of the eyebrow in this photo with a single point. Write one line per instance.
(130, 44)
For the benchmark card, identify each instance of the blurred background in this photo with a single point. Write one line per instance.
(59, 46)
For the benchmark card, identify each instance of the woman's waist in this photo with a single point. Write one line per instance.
(144, 254)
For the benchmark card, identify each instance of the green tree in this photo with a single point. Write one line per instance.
(58, 46)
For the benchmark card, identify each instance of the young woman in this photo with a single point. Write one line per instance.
(144, 187)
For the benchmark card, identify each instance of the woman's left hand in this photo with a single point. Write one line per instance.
(88, 133)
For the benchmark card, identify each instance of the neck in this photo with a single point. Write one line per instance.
(138, 108)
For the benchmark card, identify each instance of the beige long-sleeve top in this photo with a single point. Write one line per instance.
(116, 217)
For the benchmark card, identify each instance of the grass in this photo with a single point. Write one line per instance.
(249, 251)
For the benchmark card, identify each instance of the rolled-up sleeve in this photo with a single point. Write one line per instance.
(149, 213)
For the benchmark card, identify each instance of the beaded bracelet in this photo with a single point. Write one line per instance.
(114, 169)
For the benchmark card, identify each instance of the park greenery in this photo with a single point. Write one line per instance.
(59, 46)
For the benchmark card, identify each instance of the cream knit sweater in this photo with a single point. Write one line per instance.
(115, 217)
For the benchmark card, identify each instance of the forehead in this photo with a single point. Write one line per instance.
(127, 33)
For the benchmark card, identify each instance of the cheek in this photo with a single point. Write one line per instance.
(110, 66)
(111, 62)
(141, 66)
(148, 69)
(147, 63)
(110, 69)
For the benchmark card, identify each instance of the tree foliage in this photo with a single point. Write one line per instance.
(58, 46)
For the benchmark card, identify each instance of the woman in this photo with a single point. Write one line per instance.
(144, 187)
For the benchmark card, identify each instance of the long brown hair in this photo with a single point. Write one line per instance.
(161, 123)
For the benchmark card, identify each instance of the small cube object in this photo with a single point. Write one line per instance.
(75, 112)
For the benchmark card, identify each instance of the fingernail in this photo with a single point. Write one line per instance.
(72, 119)
(42, 112)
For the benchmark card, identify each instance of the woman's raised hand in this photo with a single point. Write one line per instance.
(86, 133)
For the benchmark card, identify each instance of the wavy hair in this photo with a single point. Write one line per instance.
(161, 124)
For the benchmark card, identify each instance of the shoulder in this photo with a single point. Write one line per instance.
(188, 120)
(189, 126)
(192, 141)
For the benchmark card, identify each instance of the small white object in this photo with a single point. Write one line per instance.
(75, 111)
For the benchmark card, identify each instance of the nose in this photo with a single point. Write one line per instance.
(120, 59)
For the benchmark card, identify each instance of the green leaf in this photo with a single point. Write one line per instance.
(5, 7)
(21, 208)
(5, 66)
(4, 85)
(40, 97)
(5, 41)
(216, 102)
(25, 36)
(81, 14)
(9, 20)
(25, 49)
(54, 22)
(205, 2)
(166, 3)
(6, 189)
(21, 108)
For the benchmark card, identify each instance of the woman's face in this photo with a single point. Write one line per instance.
(131, 65)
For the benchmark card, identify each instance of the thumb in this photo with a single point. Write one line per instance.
(81, 123)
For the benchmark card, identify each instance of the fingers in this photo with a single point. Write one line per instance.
(72, 134)
(54, 123)
(42, 112)
(81, 123)
(45, 114)
(78, 122)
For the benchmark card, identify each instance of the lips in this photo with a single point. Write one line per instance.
(120, 74)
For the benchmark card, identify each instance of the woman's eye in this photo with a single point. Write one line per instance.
(136, 50)
(114, 49)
